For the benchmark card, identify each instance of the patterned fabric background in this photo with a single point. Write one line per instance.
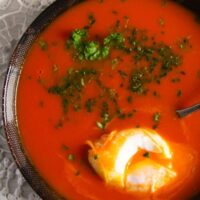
(15, 17)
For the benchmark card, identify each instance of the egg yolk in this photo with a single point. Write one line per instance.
(137, 160)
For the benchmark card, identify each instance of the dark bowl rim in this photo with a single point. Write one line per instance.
(54, 10)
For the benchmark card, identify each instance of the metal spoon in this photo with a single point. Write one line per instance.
(186, 111)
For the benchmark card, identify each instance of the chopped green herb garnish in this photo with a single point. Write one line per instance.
(115, 40)
(59, 124)
(71, 157)
(179, 93)
(137, 81)
(155, 126)
(155, 93)
(43, 44)
(115, 61)
(146, 154)
(90, 104)
(153, 61)
(122, 116)
(161, 22)
(117, 24)
(65, 147)
(71, 86)
(122, 74)
(156, 117)
(92, 50)
(77, 107)
(96, 157)
(129, 115)
(129, 99)
(77, 36)
(92, 19)
(176, 80)
(105, 117)
(55, 68)
(100, 125)
(184, 43)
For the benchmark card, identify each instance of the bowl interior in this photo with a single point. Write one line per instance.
(10, 91)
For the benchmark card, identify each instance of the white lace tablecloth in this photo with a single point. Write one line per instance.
(15, 17)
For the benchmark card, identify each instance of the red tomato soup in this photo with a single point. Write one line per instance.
(114, 65)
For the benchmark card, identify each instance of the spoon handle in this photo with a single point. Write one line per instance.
(184, 112)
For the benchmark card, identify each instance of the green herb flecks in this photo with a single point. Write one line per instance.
(175, 80)
(169, 60)
(151, 61)
(65, 147)
(114, 40)
(179, 93)
(96, 157)
(92, 19)
(43, 44)
(90, 104)
(137, 81)
(105, 116)
(146, 154)
(161, 21)
(93, 50)
(156, 117)
(115, 62)
(184, 43)
(71, 157)
(72, 85)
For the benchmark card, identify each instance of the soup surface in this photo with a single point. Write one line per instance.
(112, 65)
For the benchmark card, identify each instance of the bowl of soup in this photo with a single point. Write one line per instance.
(91, 95)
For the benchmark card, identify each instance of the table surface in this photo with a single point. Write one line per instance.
(15, 17)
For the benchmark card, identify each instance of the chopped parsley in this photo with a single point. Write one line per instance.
(161, 22)
(72, 85)
(146, 154)
(184, 43)
(96, 157)
(156, 117)
(152, 61)
(71, 157)
(55, 68)
(179, 93)
(90, 104)
(92, 19)
(93, 50)
(43, 44)
(129, 99)
(100, 125)
(65, 147)
(137, 81)
(175, 80)
(115, 62)
(114, 39)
